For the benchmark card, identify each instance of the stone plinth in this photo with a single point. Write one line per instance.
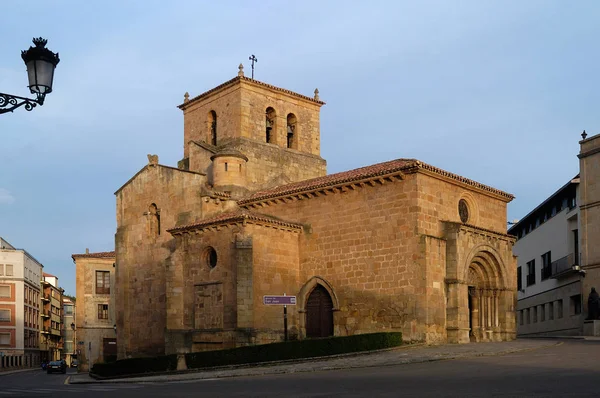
(591, 328)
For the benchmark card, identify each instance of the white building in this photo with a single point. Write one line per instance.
(20, 276)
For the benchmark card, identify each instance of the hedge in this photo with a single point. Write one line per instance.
(297, 349)
(131, 366)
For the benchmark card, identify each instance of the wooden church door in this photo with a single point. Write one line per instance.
(319, 313)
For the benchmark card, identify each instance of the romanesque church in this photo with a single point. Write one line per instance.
(251, 211)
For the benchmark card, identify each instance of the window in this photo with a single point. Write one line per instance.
(531, 273)
(210, 256)
(102, 311)
(546, 266)
(521, 317)
(527, 319)
(291, 131)
(102, 282)
(154, 220)
(572, 202)
(4, 291)
(551, 311)
(535, 314)
(9, 270)
(519, 279)
(559, 308)
(576, 304)
(1, 269)
(68, 310)
(212, 126)
(4, 338)
(270, 124)
(542, 312)
(4, 315)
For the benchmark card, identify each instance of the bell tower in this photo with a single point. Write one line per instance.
(276, 129)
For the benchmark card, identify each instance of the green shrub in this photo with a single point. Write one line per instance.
(293, 350)
(251, 354)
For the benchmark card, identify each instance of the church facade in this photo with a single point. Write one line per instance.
(250, 211)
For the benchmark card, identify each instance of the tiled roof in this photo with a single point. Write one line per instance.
(249, 80)
(49, 275)
(375, 170)
(236, 216)
(94, 255)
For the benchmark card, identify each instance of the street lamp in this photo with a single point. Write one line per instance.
(115, 328)
(41, 63)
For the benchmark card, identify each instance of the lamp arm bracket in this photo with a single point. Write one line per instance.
(11, 102)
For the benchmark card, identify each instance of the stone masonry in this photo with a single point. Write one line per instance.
(250, 211)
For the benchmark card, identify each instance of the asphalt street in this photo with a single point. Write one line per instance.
(567, 370)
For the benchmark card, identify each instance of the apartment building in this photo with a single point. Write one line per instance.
(549, 273)
(51, 342)
(69, 330)
(95, 318)
(20, 307)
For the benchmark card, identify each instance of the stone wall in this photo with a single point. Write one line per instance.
(241, 107)
(269, 165)
(226, 103)
(589, 192)
(363, 242)
(90, 329)
(438, 200)
(143, 250)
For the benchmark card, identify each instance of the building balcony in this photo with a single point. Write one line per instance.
(45, 314)
(566, 266)
(45, 330)
(45, 298)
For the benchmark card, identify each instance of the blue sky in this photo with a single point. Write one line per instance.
(496, 91)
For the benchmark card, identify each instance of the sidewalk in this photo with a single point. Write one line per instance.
(9, 372)
(402, 355)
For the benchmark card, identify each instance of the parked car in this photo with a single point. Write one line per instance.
(74, 363)
(57, 366)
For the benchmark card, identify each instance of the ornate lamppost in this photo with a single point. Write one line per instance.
(41, 63)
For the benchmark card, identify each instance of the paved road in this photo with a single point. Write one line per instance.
(567, 370)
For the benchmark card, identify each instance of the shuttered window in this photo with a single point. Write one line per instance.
(102, 282)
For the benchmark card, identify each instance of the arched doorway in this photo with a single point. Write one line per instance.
(484, 301)
(319, 313)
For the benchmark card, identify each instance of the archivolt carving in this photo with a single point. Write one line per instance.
(487, 262)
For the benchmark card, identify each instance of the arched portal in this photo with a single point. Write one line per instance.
(485, 285)
(319, 313)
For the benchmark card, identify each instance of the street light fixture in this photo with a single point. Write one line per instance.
(41, 63)
(115, 328)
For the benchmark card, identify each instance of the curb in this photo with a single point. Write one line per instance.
(201, 375)
(10, 372)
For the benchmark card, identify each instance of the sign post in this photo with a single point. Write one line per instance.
(284, 321)
(284, 300)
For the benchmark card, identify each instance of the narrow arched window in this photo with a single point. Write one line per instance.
(212, 126)
(291, 131)
(153, 220)
(270, 120)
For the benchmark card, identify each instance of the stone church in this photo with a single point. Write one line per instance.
(251, 211)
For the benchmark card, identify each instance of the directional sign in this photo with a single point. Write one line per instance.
(279, 300)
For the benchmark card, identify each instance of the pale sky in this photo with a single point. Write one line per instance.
(496, 91)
